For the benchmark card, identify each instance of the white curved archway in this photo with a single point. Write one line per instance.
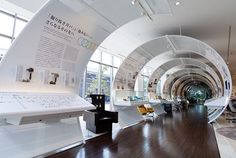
(171, 82)
(132, 65)
(183, 63)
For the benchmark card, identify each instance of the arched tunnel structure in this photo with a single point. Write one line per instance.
(179, 60)
(184, 63)
(42, 72)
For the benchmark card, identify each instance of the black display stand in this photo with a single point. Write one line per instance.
(167, 107)
(99, 120)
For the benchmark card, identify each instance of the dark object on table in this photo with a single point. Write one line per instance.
(99, 120)
(30, 71)
(167, 107)
(55, 77)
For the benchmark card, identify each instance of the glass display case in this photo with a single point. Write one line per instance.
(129, 98)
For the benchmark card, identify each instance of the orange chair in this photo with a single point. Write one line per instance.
(145, 110)
(142, 110)
(150, 110)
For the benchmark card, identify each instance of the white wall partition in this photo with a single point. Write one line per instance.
(40, 78)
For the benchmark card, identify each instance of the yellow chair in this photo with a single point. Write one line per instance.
(145, 110)
(150, 110)
(142, 110)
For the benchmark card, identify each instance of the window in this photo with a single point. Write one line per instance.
(100, 73)
(92, 78)
(114, 72)
(145, 85)
(158, 89)
(96, 56)
(106, 58)
(106, 82)
(116, 61)
(5, 43)
(7, 23)
(82, 86)
(19, 27)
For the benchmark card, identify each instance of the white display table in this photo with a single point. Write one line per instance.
(128, 113)
(38, 123)
(156, 105)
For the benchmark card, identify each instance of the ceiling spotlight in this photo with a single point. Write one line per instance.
(177, 3)
(134, 1)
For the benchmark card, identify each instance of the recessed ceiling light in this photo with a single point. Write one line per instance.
(177, 3)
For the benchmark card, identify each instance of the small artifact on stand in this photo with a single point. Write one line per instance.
(55, 76)
(30, 71)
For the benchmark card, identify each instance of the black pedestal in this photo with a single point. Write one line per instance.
(167, 107)
(99, 120)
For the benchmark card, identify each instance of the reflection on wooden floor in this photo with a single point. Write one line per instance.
(182, 135)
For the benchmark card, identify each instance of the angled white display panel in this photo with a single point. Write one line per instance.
(128, 115)
(156, 105)
(125, 103)
(23, 108)
(216, 103)
(40, 76)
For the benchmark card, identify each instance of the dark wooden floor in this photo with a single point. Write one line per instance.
(182, 135)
